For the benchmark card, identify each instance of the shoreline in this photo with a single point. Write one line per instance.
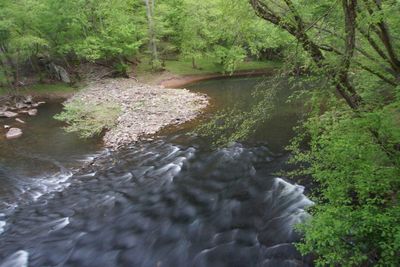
(178, 81)
(144, 109)
(164, 103)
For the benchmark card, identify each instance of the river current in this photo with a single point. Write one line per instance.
(174, 201)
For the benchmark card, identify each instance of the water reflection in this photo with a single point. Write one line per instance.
(243, 93)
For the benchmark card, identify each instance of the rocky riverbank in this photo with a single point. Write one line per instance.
(144, 109)
(12, 111)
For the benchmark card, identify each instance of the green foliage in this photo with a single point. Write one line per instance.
(230, 57)
(226, 31)
(356, 218)
(89, 120)
(97, 30)
(228, 126)
(240, 122)
(183, 66)
(352, 155)
(168, 20)
(121, 68)
(116, 31)
(110, 30)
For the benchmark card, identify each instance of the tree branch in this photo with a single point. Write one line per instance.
(386, 39)
(382, 31)
(353, 100)
(339, 78)
(357, 63)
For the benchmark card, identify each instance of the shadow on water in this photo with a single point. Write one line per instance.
(171, 202)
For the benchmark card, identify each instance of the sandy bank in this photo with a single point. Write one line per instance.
(170, 80)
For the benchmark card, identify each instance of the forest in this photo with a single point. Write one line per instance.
(341, 59)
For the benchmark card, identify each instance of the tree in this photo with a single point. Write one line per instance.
(150, 7)
(225, 31)
(19, 39)
(316, 47)
(353, 154)
(111, 31)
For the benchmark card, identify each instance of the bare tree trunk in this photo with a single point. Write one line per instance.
(352, 98)
(17, 70)
(194, 65)
(150, 6)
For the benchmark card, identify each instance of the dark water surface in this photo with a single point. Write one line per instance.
(170, 202)
(43, 157)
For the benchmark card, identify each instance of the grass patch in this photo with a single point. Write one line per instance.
(56, 88)
(89, 120)
(205, 66)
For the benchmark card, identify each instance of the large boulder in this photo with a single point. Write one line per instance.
(14, 133)
(60, 73)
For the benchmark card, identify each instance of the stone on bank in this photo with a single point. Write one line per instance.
(14, 133)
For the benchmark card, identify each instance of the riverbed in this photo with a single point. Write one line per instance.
(174, 201)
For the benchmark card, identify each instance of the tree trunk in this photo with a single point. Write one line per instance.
(6, 74)
(381, 29)
(11, 65)
(150, 5)
(194, 66)
(350, 14)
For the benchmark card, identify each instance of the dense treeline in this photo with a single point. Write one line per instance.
(349, 50)
(116, 33)
(34, 33)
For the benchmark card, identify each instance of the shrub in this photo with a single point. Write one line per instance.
(89, 120)
(356, 162)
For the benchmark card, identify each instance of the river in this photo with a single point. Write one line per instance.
(174, 201)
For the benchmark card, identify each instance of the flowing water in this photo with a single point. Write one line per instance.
(43, 158)
(171, 202)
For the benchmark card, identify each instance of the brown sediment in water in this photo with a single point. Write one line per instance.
(174, 81)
